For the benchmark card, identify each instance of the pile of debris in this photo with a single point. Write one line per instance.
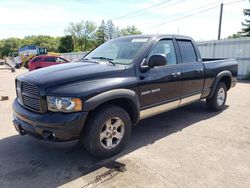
(6, 64)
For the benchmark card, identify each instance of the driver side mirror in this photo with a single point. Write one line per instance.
(154, 60)
(157, 60)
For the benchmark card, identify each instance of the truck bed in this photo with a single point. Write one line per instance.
(214, 66)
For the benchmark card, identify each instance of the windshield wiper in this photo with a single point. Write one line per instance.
(87, 60)
(105, 58)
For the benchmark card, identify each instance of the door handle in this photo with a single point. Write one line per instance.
(141, 77)
(176, 74)
(198, 70)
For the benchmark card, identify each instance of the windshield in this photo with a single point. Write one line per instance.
(119, 51)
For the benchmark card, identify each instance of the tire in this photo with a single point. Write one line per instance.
(98, 139)
(217, 101)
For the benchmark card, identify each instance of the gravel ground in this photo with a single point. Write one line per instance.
(187, 147)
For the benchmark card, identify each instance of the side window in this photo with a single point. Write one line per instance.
(165, 47)
(63, 60)
(49, 59)
(187, 51)
(60, 60)
(37, 59)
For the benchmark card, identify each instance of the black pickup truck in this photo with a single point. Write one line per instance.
(98, 100)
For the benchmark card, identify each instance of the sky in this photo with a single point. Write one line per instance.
(196, 18)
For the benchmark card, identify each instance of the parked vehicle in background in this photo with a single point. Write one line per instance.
(1, 61)
(26, 53)
(45, 61)
(119, 83)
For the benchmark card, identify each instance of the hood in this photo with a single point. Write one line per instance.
(69, 72)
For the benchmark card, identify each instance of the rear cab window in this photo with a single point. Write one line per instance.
(187, 50)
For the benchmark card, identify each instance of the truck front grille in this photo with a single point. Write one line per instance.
(31, 102)
(28, 95)
(30, 89)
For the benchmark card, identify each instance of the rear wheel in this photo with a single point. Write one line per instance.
(107, 131)
(218, 99)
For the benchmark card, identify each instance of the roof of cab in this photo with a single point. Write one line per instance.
(159, 36)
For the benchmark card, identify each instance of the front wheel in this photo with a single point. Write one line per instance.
(107, 131)
(217, 102)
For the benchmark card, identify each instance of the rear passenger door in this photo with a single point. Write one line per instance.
(192, 72)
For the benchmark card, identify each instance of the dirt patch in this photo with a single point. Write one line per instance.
(115, 168)
(4, 98)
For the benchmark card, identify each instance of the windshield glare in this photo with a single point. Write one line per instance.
(121, 51)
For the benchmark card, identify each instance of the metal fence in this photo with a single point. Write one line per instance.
(229, 48)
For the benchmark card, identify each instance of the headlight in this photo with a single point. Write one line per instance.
(64, 104)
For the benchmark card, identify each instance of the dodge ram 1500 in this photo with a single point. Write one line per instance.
(98, 100)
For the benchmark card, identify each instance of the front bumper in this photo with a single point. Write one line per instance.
(64, 127)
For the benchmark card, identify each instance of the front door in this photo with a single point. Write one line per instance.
(161, 84)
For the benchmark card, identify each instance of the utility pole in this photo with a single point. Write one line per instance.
(220, 20)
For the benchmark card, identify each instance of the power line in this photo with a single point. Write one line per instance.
(152, 8)
(183, 17)
(141, 10)
(195, 13)
(189, 15)
(233, 2)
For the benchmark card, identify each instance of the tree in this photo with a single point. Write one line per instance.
(110, 30)
(51, 43)
(246, 24)
(245, 31)
(130, 30)
(88, 34)
(82, 33)
(10, 46)
(235, 35)
(101, 34)
(75, 30)
(118, 32)
(80, 36)
(1, 48)
(66, 44)
(28, 40)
